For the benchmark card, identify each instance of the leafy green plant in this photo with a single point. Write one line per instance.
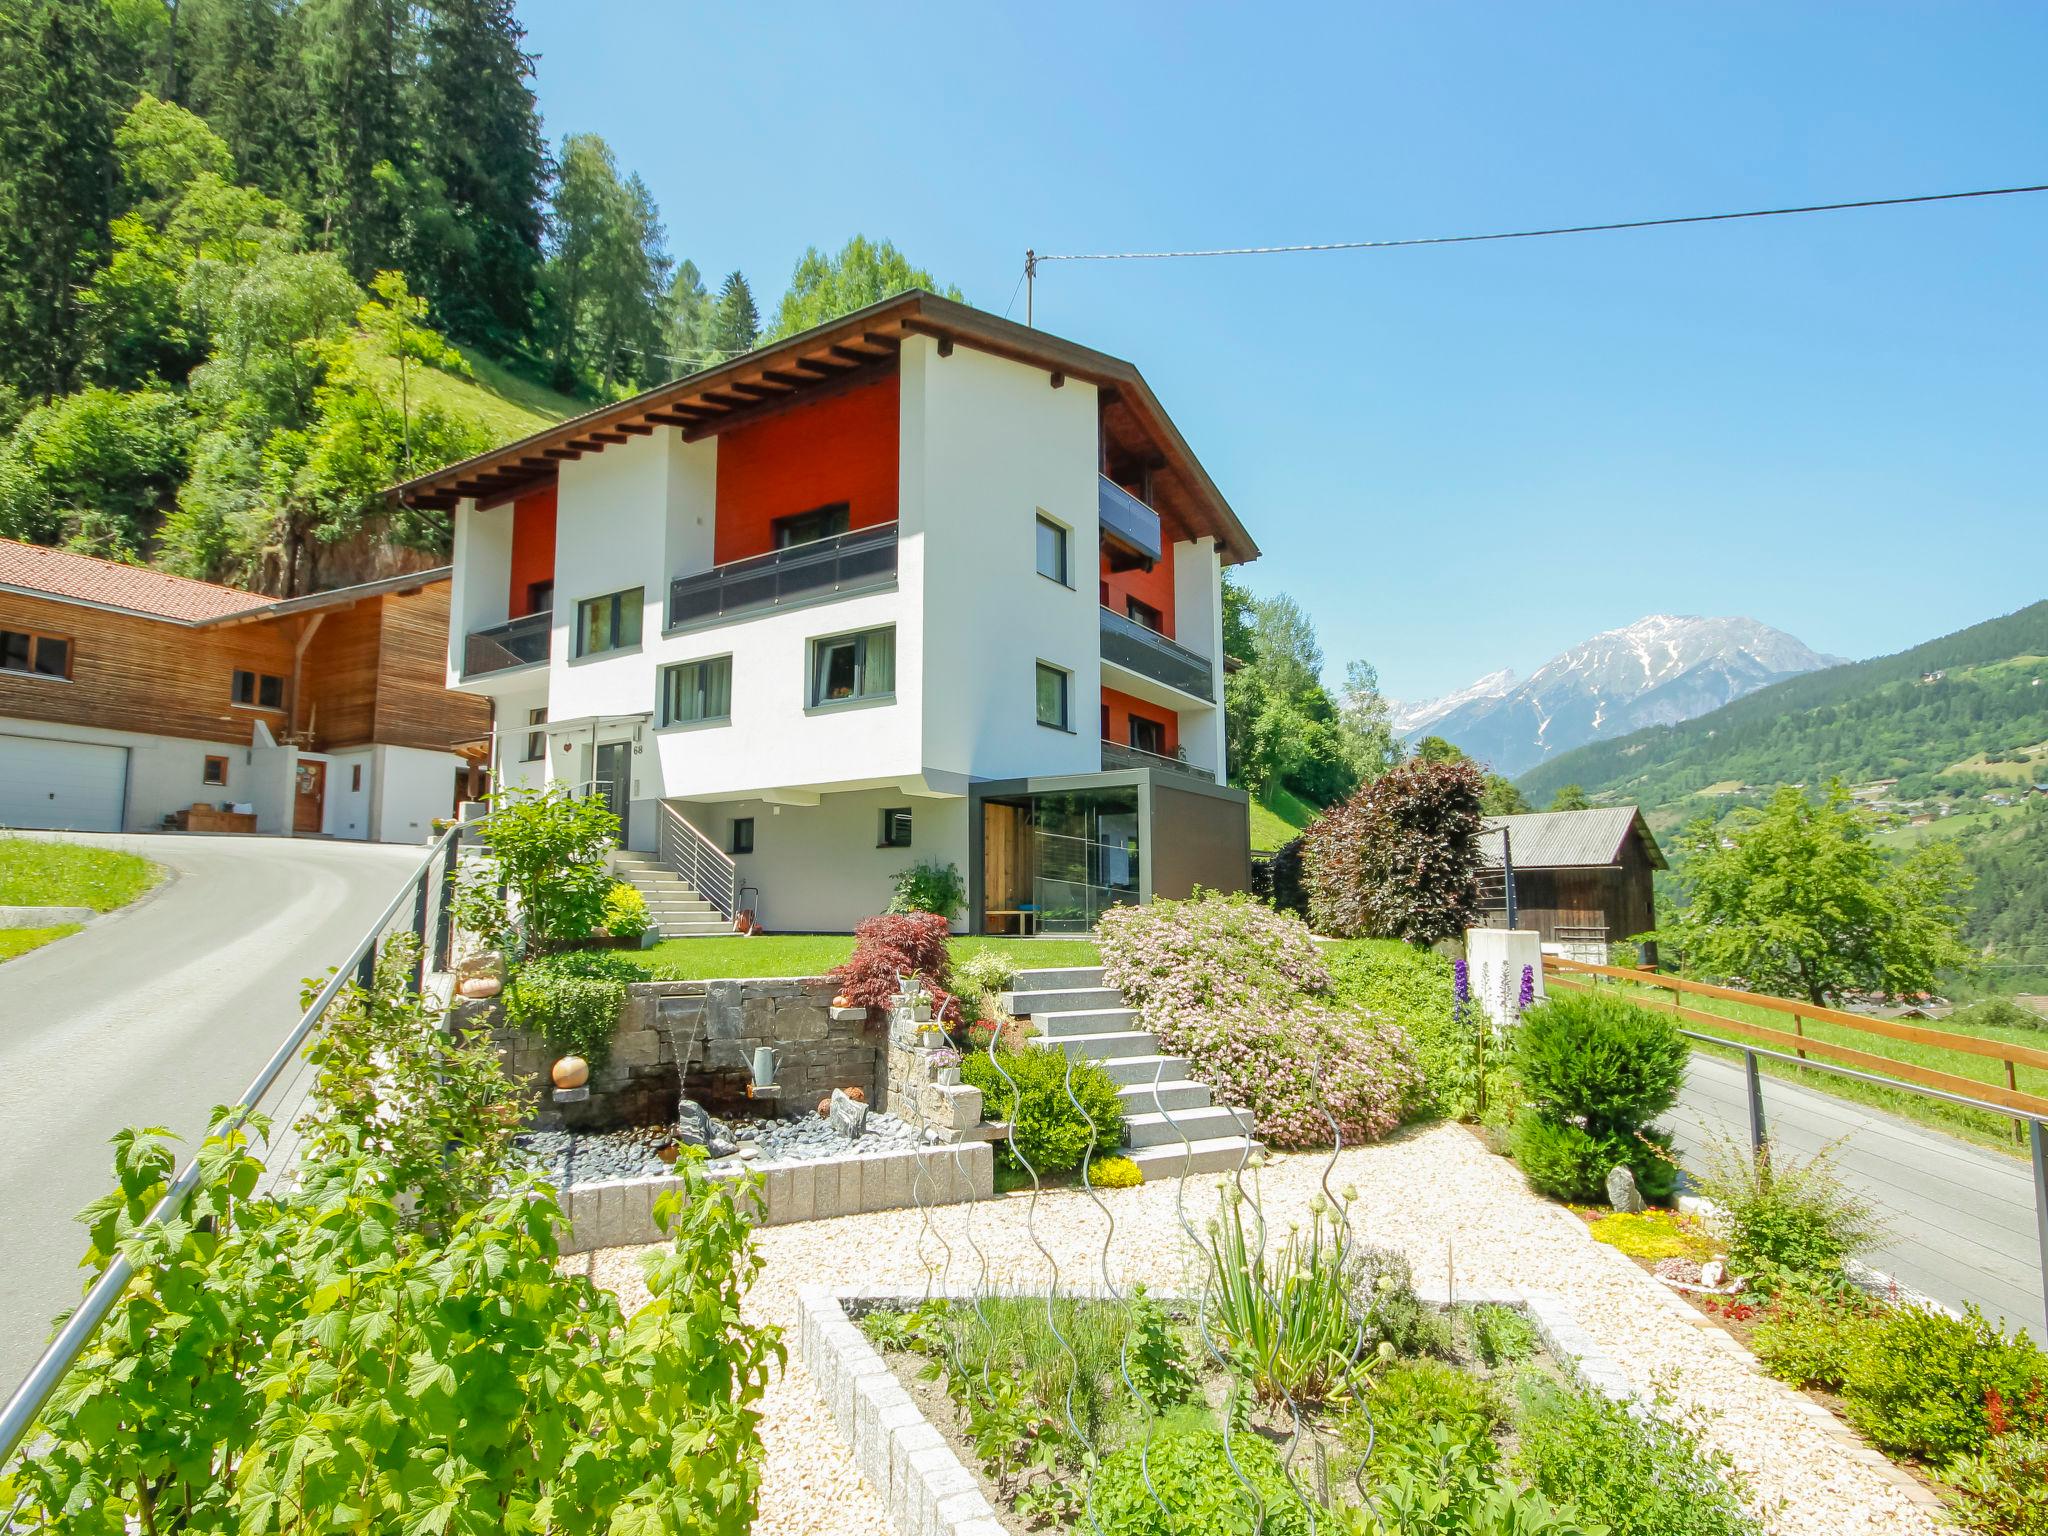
(2004, 1490)
(1647, 1476)
(1789, 1222)
(1028, 1088)
(1922, 1383)
(979, 979)
(1383, 1281)
(434, 1108)
(1446, 1488)
(1194, 1489)
(929, 886)
(1412, 1398)
(1408, 985)
(551, 848)
(1502, 1335)
(1286, 1320)
(1997, 1013)
(572, 1000)
(1811, 1337)
(625, 912)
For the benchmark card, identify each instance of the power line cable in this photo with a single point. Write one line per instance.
(1535, 234)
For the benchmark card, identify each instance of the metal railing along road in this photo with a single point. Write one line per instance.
(1129, 644)
(520, 643)
(863, 560)
(423, 907)
(2028, 1111)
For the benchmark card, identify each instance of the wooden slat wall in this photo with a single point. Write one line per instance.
(140, 674)
(338, 687)
(414, 705)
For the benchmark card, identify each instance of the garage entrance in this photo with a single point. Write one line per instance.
(62, 786)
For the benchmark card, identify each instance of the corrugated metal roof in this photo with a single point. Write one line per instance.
(1566, 839)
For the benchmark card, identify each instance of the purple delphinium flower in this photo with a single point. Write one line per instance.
(1461, 982)
(1528, 996)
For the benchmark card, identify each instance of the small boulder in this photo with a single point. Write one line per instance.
(1622, 1193)
(1712, 1273)
(848, 1115)
(694, 1125)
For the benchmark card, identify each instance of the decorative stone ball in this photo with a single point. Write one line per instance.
(571, 1072)
(842, 1001)
(480, 986)
(858, 1095)
(825, 1106)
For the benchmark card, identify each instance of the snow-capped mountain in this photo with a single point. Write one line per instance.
(1656, 671)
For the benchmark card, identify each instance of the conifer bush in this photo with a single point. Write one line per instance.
(1595, 1070)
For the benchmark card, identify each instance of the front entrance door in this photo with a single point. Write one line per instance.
(613, 775)
(310, 797)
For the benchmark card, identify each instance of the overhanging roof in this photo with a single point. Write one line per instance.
(1590, 839)
(337, 597)
(1138, 435)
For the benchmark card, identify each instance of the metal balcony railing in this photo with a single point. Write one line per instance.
(1128, 520)
(1116, 755)
(1129, 644)
(521, 643)
(861, 561)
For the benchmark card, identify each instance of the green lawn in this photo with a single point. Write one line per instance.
(1973, 1125)
(1277, 817)
(19, 941)
(811, 954)
(34, 873)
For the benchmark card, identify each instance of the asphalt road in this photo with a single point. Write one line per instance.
(152, 1016)
(1960, 1217)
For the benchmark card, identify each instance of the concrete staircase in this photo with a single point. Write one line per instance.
(1171, 1124)
(678, 911)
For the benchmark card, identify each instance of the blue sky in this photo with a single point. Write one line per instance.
(1462, 457)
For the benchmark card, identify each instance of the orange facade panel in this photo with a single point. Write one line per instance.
(1119, 709)
(533, 552)
(841, 450)
(1153, 588)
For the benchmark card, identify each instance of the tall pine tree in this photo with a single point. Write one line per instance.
(358, 56)
(237, 64)
(61, 96)
(607, 267)
(735, 322)
(480, 145)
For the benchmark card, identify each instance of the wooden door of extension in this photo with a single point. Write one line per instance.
(311, 797)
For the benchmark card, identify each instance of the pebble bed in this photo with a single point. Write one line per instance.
(1463, 1217)
(590, 1157)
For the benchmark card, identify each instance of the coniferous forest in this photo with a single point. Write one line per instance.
(260, 258)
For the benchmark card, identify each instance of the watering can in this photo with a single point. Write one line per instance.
(766, 1060)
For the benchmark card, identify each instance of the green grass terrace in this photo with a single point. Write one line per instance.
(813, 954)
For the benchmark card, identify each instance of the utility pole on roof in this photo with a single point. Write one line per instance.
(1030, 281)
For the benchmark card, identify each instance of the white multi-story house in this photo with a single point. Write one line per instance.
(920, 585)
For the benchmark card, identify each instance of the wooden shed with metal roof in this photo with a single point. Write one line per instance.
(1584, 880)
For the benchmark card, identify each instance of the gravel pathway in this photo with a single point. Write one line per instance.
(1436, 1193)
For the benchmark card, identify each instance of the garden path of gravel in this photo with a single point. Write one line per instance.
(1436, 1193)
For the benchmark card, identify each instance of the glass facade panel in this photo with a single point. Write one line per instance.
(1085, 857)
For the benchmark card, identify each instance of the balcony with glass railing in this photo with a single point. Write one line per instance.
(842, 565)
(1130, 529)
(1116, 756)
(1128, 644)
(521, 643)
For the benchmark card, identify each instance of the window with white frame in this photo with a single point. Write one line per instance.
(848, 668)
(1053, 687)
(693, 692)
(536, 741)
(1052, 552)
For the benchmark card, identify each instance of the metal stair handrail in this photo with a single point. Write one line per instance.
(708, 868)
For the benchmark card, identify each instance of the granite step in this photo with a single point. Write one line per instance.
(1058, 978)
(1059, 1000)
(1132, 1070)
(1211, 1122)
(1218, 1154)
(1087, 1021)
(1171, 1093)
(1106, 1047)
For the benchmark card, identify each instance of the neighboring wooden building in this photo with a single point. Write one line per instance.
(1584, 880)
(129, 697)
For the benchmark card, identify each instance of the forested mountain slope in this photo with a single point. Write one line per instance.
(1981, 690)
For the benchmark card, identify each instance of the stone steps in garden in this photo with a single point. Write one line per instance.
(1182, 1128)
(677, 910)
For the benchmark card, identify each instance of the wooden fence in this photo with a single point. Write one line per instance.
(1558, 973)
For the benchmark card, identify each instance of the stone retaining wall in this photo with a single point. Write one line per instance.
(716, 1025)
(620, 1213)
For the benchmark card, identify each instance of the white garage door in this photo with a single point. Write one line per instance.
(71, 786)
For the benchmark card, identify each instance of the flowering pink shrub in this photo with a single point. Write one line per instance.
(1241, 992)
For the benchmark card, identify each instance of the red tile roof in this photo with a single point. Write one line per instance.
(134, 587)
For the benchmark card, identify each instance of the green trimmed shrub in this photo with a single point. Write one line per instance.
(1599, 1059)
(1922, 1383)
(1048, 1132)
(1567, 1162)
(1200, 1492)
(625, 912)
(1115, 1173)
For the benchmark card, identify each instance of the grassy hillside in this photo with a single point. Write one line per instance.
(1277, 817)
(509, 406)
